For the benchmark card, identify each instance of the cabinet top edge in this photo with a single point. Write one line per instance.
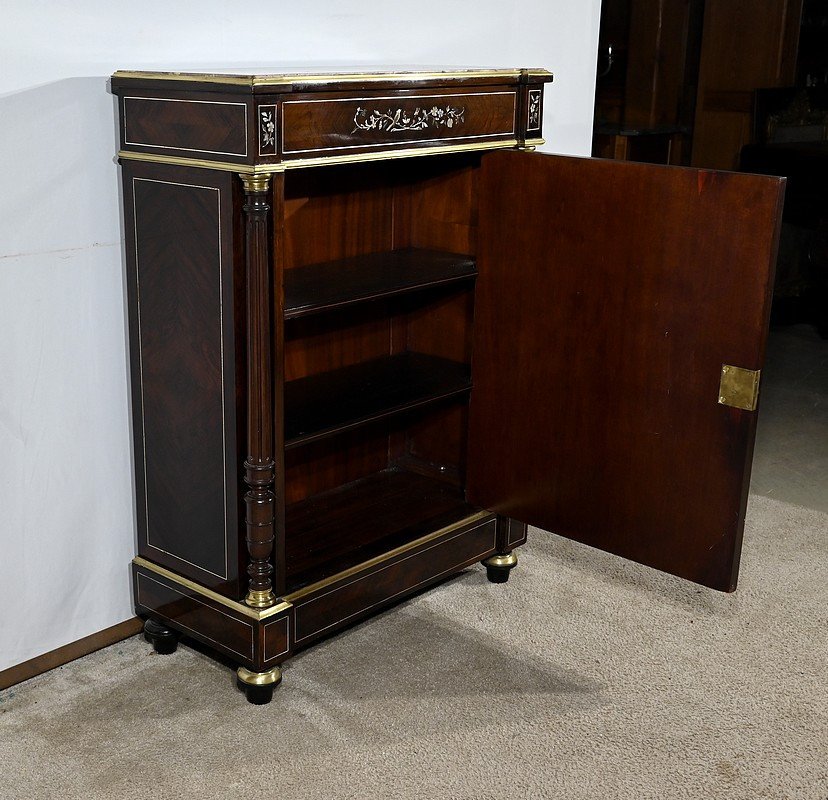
(325, 80)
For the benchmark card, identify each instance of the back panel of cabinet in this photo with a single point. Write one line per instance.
(377, 357)
(385, 209)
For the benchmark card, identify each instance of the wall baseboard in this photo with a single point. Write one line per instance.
(69, 652)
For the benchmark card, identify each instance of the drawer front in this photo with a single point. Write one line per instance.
(363, 593)
(314, 126)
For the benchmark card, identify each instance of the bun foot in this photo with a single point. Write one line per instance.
(258, 686)
(498, 567)
(164, 640)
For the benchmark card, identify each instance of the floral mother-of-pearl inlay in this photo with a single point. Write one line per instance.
(533, 120)
(393, 121)
(268, 124)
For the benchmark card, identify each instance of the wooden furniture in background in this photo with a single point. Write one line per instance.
(371, 341)
(801, 293)
(646, 86)
(744, 47)
(682, 74)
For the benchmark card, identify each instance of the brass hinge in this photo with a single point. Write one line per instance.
(739, 387)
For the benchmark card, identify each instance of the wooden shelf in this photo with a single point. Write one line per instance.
(332, 402)
(351, 524)
(320, 287)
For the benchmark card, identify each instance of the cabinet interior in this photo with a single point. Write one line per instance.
(379, 300)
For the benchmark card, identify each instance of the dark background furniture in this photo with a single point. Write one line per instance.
(728, 85)
(801, 288)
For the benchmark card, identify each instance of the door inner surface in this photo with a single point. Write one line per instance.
(609, 296)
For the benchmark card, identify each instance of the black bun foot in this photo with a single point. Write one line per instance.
(163, 640)
(258, 686)
(499, 566)
(258, 695)
(498, 574)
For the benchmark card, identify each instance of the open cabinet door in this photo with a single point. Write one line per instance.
(609, 297)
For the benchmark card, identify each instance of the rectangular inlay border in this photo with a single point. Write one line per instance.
(127, 141)
(141, 372)
(398, 98)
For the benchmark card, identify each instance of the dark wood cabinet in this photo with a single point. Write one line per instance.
(373, 336)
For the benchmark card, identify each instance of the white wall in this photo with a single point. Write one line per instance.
(67, 526)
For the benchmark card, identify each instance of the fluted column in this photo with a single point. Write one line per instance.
(259, 467)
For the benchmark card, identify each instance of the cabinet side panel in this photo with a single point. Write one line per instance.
(211, 126)
(180, 270)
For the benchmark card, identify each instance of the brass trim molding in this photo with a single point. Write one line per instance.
(329, 77)
(255, 184)
(204, 77)
(502, 560)
(377, 77)
(237, 606)
(321, 161)
(269, 678)
(315, 587)
(407, 152)
(260, 599)
(179, 161)
(288, 600)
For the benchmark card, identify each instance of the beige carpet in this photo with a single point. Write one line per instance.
(584, 677)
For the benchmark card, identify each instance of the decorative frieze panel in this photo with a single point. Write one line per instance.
(312, 126)
(196, 128)
(396, 120)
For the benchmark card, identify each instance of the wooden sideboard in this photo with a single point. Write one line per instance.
(372, 337)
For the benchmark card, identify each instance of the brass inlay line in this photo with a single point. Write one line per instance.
(242, 105)
(215, 610)
(141, 363)
(237, 606)
(265, 656)
(328, 77)
(315, 587)
(405, 590)
(321, 161)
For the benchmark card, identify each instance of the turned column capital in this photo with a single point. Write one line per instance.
(255, 184)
